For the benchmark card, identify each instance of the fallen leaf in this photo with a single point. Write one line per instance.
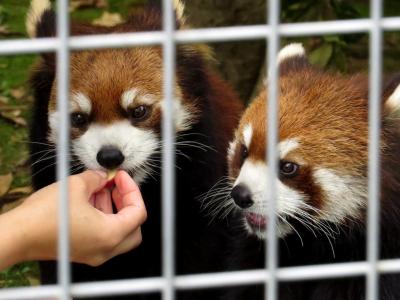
(108, 19)
(3, 100)
(14, 117)
(16, 109)
(4, 30)
(5, 183)
(25, 190)
(17, 93)
(9, 206)
(76, 4)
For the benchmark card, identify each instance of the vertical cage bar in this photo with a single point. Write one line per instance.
(168, 154)
(375, 77)
(63, 146)
(272, 140)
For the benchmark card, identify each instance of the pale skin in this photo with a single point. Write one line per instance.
(30, 231)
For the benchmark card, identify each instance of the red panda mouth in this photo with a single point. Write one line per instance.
(256, 220)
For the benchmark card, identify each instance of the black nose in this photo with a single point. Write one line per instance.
(242, 196)
(110, 157)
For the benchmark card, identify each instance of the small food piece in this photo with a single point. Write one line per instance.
(111, 174)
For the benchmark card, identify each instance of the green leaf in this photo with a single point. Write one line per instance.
(321, 55)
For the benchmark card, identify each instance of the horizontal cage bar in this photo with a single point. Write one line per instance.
(208, 280)
(218, 34)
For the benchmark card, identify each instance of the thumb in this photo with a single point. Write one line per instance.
(93, 181)
(129, 202)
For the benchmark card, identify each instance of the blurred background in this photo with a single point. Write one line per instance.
(241, 63)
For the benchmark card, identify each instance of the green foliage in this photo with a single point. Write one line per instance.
(20, 275)
(348, 52)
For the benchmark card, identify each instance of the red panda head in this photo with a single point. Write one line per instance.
(116, 96)
(323, 148)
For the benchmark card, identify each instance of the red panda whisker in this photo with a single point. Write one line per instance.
(213, 197)
(37, 143)
(43, 158)
(220, 181)
(44, 168)
(46, 150)
(227, 206)
(291, 226)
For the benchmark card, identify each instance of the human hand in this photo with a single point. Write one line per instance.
(96, 234)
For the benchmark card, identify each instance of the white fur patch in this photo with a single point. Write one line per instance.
(393, 102)
(179, 9)
(291, 50)
(345, 195)
(286, 146)
(255, 176)
(37, 8)
(81, 103)
(137, 145)
(183, 118)
(128, 97)
(231, 150)
(247, 135)
(53, 120)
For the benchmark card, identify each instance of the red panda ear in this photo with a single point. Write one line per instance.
(180, 13)
(292, 58)
(40, 20)
(391, 95)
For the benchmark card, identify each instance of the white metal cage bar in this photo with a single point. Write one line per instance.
(167, 284)
(375, 62)
(64, 276)
(168, 157)
(271, 287)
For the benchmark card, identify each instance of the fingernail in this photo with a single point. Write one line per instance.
(101, 173)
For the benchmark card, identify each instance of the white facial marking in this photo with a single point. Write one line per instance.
(393, 102)
(81, 103)
(247, 135)
(128, 97)
(291, 50)
(231, 150)
(183, 118)
(254, 175)
(345, 194)
(137, 145)
(53, 120)
(287, 146)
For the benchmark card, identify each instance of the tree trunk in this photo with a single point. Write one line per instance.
(239, 62)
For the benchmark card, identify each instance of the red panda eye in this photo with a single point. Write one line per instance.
(288, 169)
(79, 120)
(245, 153)
(139, 113)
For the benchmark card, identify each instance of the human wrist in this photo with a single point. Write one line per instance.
(13, 249)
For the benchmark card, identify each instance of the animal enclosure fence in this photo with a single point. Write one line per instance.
(169, 282)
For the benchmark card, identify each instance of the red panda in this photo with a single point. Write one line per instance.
(116, 106)
(322, 181)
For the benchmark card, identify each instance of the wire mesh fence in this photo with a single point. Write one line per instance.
(168, 38)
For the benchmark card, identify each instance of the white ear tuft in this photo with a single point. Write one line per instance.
(37, 8)
(180, 10)
(393, 102)
(291, 50)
